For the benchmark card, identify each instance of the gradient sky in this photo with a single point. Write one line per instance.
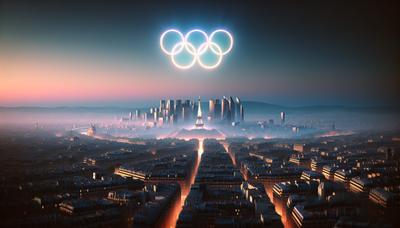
(70, 53)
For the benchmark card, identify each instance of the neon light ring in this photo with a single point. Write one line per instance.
(196, 51)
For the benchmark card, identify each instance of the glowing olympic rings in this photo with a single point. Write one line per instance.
(196, 51)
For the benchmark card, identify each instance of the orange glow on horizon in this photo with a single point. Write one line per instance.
(30, 76)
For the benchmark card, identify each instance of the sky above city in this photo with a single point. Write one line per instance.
(55, 53)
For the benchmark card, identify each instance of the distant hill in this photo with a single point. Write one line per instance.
(251, 107)
(262, 107)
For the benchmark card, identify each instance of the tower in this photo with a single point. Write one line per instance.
(137, 114)
(237, 110)
(199, 120)
(224, 109)
(162, 105)
(241, 113)
(178, 110)
(232, 110)
(211, 109)
(217, 109)
(283, 118)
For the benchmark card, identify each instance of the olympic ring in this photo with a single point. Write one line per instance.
(196, 52)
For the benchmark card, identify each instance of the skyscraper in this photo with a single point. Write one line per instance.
(155, 114)
(170, 106)
(194, 108)
(162, 105)
(241, 113)
(224, 109)
(178, 110)
(212, 109)
(217, 110)
(283, 118)
(232, 110)
(137, 114)
(238, 110)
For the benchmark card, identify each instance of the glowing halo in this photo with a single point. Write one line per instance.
(162, 41)
(196, 51)
(188, 35)
(219, 54)
(230, 40)
(183, 44)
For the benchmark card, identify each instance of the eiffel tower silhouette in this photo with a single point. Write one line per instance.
(199, 120)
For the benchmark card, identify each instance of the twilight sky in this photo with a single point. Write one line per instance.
(70, 53)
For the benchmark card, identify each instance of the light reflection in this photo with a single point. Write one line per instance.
(280, 206)
(226, 147)
(185, 189)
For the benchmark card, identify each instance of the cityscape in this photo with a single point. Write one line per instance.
(179, 115)
(221, 111)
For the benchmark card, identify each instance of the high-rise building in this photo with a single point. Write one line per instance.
(172, 119)
(178, 110)
(211, 112)
(186, 113)
(232, 109)
(130, 116)
(224, 109)
(283, 118)
(187, 103)
(241, 113)
(155, 114)
(238, 110)
(162, 105)
(137, 114)
(194, 108)
(217, 109)
(170, 106)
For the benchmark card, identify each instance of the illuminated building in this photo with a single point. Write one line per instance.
(137, 114)
(360, 185)
(311, 175)
(299, 147)
(186, 113)
(237, 110)
(212, 108)
(283, 118)
(317, 165)
(232, 110)
(155, 114)
(224, 109)
(383, 198)
(329, 171)
(217, 109)
(170, 106)
(241, 113)
(343, 175)
(178, 110)
(91, 131)
(128, 172)
(162, 105)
